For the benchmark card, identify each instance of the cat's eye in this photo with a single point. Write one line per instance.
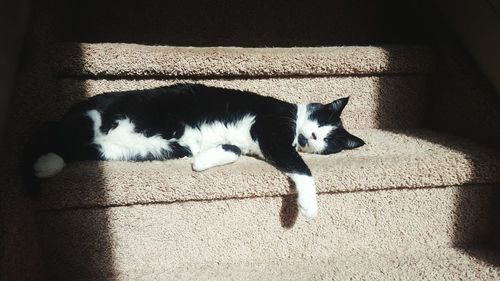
(313, 136)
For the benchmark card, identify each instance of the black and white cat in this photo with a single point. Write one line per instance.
(212, 125)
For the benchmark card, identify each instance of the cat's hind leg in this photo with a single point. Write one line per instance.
(217, 156)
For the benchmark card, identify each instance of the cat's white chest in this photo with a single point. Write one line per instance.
(211, 134)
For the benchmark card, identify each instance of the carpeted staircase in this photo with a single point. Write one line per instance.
(394, 208)
(414, 203)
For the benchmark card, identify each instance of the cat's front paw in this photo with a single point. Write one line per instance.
(308, 206)
(199, 166)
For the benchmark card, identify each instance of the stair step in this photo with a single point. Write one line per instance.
(172, 238)
(133, 60)
(389, 160)
(375, 101)
(437, 264)
(393, 209)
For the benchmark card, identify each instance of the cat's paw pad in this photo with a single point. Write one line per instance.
(308, 207)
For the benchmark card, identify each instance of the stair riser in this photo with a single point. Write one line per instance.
(376, 102)
(159, 237)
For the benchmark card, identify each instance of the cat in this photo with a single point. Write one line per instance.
(213, 125)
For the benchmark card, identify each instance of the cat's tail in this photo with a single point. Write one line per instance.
(42, 157)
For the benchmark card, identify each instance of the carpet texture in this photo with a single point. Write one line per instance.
(354, 264)
(407, 190)
(140, 60)
(402, 207)
(414, 203)
(151, 239)
(404, 159)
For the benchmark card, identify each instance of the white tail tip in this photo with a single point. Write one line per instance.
(48, 165)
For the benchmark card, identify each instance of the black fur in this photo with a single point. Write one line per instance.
(233, 148)
(166, 111)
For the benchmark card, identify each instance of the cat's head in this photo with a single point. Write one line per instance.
(322, 131)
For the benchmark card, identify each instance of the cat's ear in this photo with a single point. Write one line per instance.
(338, 105)
(350, 141)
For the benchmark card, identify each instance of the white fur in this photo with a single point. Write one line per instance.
(212, 134)
(48, 165)
(124, 143)
(307, 127)
(306, 190)
(216, 156)
(299, 122)
(314, 145)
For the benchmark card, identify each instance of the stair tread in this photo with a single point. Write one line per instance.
(123, 59)
(389, 160)
(351, 264)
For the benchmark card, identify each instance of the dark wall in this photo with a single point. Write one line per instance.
(239, 23)
(13, 21)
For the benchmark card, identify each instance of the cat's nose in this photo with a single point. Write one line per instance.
(302, 140)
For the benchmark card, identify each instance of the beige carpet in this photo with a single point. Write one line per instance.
(403, 207)
(405, 201)
(403, 159)
(400, 207)
(139, 60)
(354, 264)
(381, 98)
(154, 239)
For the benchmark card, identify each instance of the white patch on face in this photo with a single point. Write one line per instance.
(301, 118)
(124, 143)
(216, 156)
(306, 127)
(321, 132)
(213, 134)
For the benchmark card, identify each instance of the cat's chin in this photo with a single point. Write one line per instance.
(305, 149)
